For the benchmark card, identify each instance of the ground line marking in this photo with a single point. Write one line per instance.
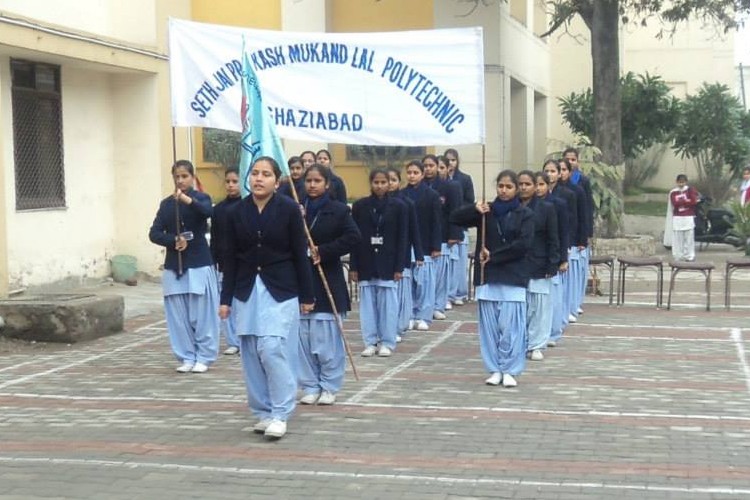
(736, 336)
(419, 355)
(719, 490)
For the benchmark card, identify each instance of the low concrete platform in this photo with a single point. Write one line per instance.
(67, 318)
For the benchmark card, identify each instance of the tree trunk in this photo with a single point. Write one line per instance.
(605, 53)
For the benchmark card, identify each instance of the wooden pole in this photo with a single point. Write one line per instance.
(327, 288)
(484, 216)
(176, 206)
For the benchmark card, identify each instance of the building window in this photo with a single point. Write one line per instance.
(384, 156)
(37, 135)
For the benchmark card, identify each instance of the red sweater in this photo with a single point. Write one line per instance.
(684, 202)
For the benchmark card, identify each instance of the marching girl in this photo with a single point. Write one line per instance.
(189, 279)
(542, 262)
(458, 289)
(413, 257)
(558, 192)
(338, 189)
(509, 231)
(218, 247)
(450, 199)
(322, 359)
(577, 259)
(267, 283)
(378, 262)
(429, 220)
(556, 290)
(307, 158)
(296, 170)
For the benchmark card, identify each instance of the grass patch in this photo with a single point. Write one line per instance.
(656, 208)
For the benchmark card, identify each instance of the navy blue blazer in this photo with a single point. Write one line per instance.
(271, 244)
(335, 234)
(467, 186)
(571, 206)
(561, 210)
(581, 234)
(543, 259)
(507, 250)
(337, 188)
(585, 184)
(219, 229)
(450, 200)
(286, 189)
(193, 217)
(415, 238)
(373, 261)
(429, 217)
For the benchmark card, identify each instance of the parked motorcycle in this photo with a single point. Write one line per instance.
(714, 224)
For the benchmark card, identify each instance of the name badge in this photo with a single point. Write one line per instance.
(376, 240)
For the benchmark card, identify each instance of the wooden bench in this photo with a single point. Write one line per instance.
(626, 262)
(705, 268)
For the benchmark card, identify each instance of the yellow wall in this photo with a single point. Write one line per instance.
(261, 14)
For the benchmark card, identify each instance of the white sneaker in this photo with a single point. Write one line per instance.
(551, 343)
(326, 398)
(458, 302)
(536, 355)
(232, 350)
(369, 351)
(572, 319)
(384, 352)
(580, 311)
(448, 306)
(411, 324)
(262, 425)
(422, 325)
(438, 315)
(494, 379)
(309, 399)
(185, 367)
(276, 429)
(509, 381)
(199, 368)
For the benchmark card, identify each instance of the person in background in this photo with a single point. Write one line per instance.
(296, 170)
(267, 284)
(322, 357)
(218, 246)
(377, 264)
(576, 260)
(508, 235)
(683, 200)
(307, 158)
(338, 189)
(458, 290)
(745, 186)
(189, 280)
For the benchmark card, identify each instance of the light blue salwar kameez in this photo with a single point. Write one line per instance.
(378, 299)
(405, 300)
(269, 342)
(459, 284)
(322, 360)
(502, 327)
(559, 309)
(228, 325)
(191, 305)
(539, 312)
(424, 290)
(576, 274)
(442, 277)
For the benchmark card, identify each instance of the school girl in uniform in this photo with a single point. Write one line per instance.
(218, 246)
(556, 289)
(190, 298)
(267, 283)
(542, 262)
(450, 200)
(558, 192)
(307, 158)
(377, 263)
(338, 189)
(577, 259)
(458, 289)
(429, 220)
(509, 232)
(413, 257)
(322, 359)
(296, 171)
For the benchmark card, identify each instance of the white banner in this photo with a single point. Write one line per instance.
(410, 88)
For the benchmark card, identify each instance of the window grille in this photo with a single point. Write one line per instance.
(37, 135)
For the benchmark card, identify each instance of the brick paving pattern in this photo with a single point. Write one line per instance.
(634, 403)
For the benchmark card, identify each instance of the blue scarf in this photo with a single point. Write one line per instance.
(313, 206)
(575, 177)
(414, 193)
(502, 208)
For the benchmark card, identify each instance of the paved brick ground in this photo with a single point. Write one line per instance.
(634, 403)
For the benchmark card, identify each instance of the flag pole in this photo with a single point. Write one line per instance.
(484, 216)
(327, 288)
(176, 205)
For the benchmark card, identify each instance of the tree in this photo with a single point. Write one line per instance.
(648, 117)
(718, 141)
